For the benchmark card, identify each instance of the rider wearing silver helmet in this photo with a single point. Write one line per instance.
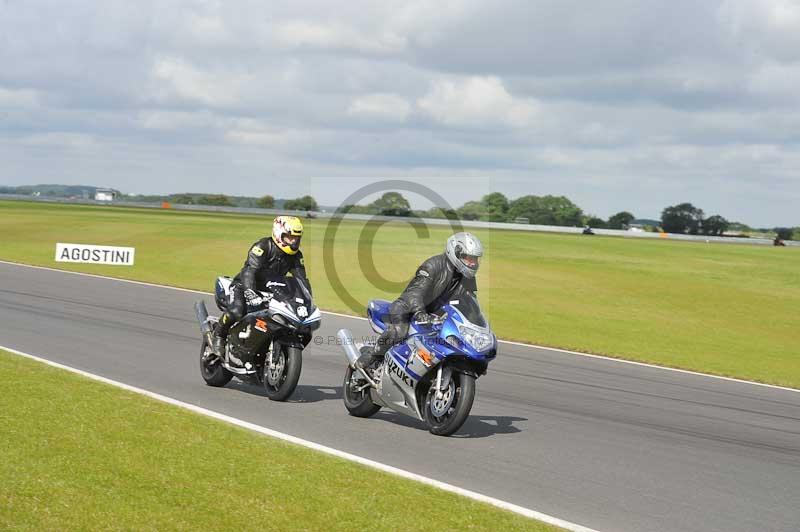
(435, 281)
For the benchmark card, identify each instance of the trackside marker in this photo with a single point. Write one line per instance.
(317, 447)
(509, 342)
(90, 254)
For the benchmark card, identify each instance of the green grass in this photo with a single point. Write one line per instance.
(719, 308)
(81, 455)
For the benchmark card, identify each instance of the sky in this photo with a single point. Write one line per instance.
(621, 105)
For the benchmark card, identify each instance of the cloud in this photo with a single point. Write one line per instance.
(476, 102)
(627, 104)
(331, 36)
(380, 106)
(59, 140)
(10, 98)
(175, 78)
(763, 29)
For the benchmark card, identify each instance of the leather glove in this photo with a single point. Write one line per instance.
(252, 297)
(423, 318)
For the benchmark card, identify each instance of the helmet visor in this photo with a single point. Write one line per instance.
(470, 261)
(293, 241)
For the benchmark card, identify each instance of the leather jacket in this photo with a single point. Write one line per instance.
(266, 261)
(434, 283)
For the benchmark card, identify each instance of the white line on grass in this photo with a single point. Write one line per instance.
(521, 344)
(317, 447)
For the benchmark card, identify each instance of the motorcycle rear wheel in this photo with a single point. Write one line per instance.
(357, 403)
(445, 415)
(282, 377)
(211, 367)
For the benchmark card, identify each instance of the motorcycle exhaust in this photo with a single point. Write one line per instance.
(352, 353)
(349, 345)
(202, 317)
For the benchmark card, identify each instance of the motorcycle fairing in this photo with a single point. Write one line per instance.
(378, 314)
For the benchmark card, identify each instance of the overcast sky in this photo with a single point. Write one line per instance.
(620, 104)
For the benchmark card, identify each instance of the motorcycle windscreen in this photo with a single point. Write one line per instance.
(468, 305)
(291, 291)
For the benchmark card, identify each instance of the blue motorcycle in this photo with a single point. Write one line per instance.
(431, 375)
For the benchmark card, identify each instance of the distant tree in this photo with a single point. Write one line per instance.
(715, 225)
(354, 209)
(740, 227)
(305, 203)
(784, 233)
(391, 204)
(215, 199)
(496, 205)
(266, 202)
(438, 212)
(594, 221)
(546, 210)
(472, 210)
(182, 199)
(621, 220)
(682, 218)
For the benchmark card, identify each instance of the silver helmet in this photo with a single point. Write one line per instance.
(464, 251)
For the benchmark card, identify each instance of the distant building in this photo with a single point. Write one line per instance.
(104, 194)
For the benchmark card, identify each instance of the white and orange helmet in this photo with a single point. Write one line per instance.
(286, 233)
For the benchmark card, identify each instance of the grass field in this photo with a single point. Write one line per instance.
(82, 455)
(719, 308)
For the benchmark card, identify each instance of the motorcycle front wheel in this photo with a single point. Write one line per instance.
(282, 372)
(446, 412)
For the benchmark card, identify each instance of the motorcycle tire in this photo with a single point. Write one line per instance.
(211, 367)
(444, 416)
(358, 404)
(281, 384)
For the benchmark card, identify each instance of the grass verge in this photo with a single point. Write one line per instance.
(718, 308)
(83, 455)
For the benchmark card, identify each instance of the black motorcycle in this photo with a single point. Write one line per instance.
(266, 346)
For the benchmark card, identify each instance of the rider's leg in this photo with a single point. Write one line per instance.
(395, 333)
(236, 309)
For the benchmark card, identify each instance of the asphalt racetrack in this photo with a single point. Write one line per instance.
(608, 445)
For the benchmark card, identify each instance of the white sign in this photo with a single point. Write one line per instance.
(94, 254)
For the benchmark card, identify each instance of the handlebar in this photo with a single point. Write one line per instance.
(436, 321)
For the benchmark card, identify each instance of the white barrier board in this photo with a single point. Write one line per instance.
(86, 253)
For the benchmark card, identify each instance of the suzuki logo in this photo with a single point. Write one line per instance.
(398, 371)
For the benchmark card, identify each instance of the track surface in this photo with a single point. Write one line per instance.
(612, 446)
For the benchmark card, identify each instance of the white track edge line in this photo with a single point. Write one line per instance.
(526, 512)
(521, 344)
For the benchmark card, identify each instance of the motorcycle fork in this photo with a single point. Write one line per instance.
(443, 375)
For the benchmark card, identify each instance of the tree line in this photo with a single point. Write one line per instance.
(304, 203)
(683, 218)
(496, 207)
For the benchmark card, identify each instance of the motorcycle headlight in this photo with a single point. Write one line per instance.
(479, 341)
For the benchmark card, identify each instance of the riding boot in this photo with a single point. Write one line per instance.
(369, 355)
(220, 338)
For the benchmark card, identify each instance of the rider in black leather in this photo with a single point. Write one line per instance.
(268, 258)
(434, 283)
